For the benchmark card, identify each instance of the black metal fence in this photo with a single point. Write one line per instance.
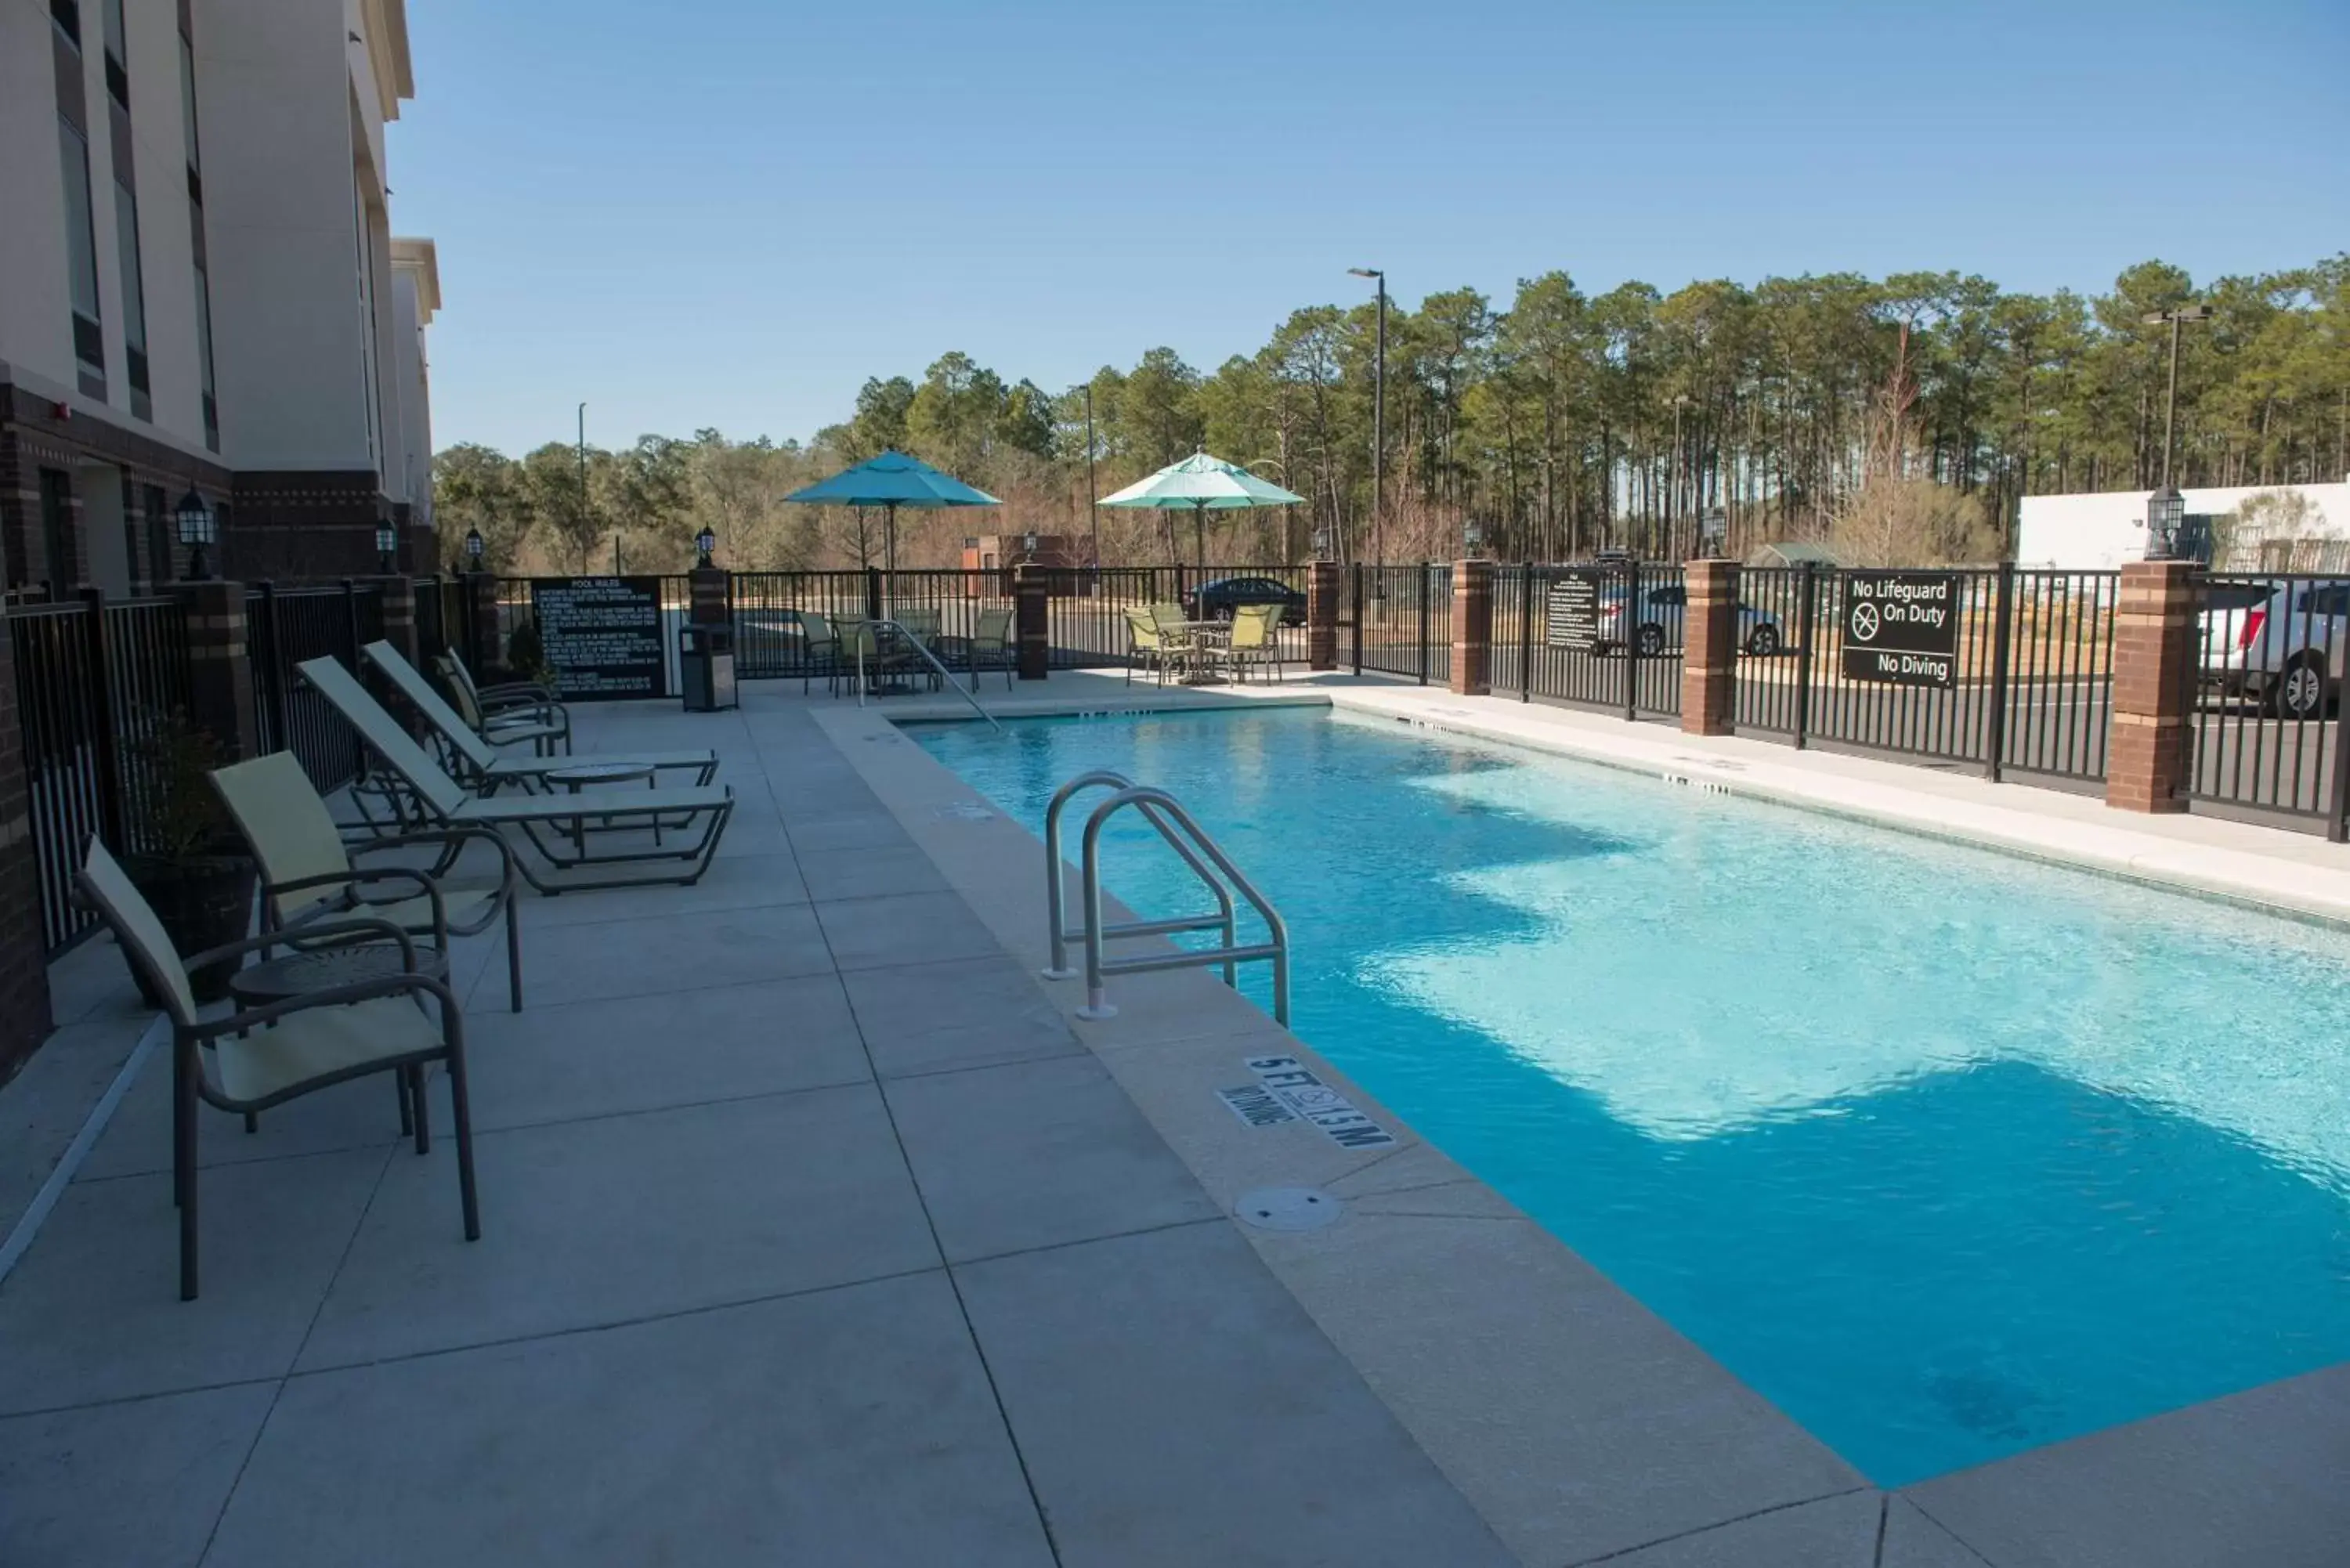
(1399, 621)
(2265, 731)
(1632, 668)
(98, 685)
(286, 627)
(2031, 683)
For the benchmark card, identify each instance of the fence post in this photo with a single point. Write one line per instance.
(106, 749)
(1632, 642)
(1322, 590)
(482, 650)
(399, 616)
(2154, 629)
(220, 666)
(1355, 569)
(2338, 820)
(2001, 653)
(1807, 621)
(708, 596)
(1709, 647)
(1472, 629)
(1031, 622)
(1426, 572)
(1527, 633)
(873, 593)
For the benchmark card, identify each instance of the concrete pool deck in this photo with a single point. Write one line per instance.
(815, 1230)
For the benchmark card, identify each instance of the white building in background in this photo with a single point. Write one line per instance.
(198, 289)
(2253, 528)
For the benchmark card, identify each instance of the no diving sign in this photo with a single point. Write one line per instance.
(1901, 627)
(1287, 1091)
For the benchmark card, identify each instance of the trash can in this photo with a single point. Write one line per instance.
(706, 660)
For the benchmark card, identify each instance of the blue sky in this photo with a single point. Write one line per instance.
(730, 213)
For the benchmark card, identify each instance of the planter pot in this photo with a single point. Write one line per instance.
(202, 902)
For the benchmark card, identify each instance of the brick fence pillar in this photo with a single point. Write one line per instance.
(219, 664)
(1326, 583)
(400, 613)
(24, 962)
(1709, 647)
(1472, 627)
(710, 601)
(2153, 628)
(1031, 621)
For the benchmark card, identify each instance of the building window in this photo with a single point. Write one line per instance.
(66, 15)
(188, 103)
(196, 239)
(56, 532)
(365, 259)
(134, 300)
(81, 260)
(118, 75)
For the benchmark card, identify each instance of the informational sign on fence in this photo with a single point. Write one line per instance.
(602, 636)
(1571, 614)
(1901, 627)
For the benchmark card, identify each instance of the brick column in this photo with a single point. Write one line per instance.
(1326, 585)
(400, 613)
(1709, 647)
(220, 668)
(23, 964)
(1031, 621)
(1472, 627)
(2154, 631)
(711, 603)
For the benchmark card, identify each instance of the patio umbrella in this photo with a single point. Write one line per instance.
(1201, 484)
(892, 481)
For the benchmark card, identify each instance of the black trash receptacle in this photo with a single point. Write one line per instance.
(706, 660)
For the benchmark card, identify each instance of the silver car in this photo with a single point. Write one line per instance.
(2291, 646)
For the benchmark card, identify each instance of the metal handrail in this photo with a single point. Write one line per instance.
(1056, 871)
(945, 674)
(1155, 803)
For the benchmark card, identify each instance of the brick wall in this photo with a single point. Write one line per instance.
(24, 965)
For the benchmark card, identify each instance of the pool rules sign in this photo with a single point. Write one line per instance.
(1901, 627)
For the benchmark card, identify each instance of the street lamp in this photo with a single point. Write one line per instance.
(198, 529)
(706, 542)
(1378, 422)
(474, 548)
(386, 542)
(2166, 509)
(1472, 541)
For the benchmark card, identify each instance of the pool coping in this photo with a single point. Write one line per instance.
(1483, 1333)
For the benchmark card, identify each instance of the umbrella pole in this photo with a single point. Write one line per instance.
(1200, 537)
(890, 558)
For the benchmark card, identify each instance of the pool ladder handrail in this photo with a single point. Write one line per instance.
(945, 674)
(1208, 861)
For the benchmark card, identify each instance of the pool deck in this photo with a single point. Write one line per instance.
(817, 1230)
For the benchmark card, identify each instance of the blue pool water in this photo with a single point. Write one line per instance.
(1947, 1154)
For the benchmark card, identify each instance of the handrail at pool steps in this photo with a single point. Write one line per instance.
(1208, 862)
(945, 674)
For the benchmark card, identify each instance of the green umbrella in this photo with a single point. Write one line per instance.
(1202, 485)
(892, 481)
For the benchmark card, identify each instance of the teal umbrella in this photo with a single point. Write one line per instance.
(1201, 484)
(892, 481)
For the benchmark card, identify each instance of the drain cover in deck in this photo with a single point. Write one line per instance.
(1288, 1208)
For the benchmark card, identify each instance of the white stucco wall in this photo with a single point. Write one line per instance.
(2099, 530)
(34, 332)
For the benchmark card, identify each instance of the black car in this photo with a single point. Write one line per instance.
(1217, 600)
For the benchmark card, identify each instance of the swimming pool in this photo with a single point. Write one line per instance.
(1948, 1154)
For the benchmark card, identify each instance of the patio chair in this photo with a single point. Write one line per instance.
(468, 754)
(990, 646)
(504, 715)
(436, 800)
(1255, 642)
(877, 654)
(248, 1062)
(1146, 645)
(819, 645)
(308, 875)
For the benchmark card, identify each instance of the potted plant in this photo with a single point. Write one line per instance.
(184, 857)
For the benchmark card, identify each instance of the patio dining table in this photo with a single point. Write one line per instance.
(1199, 639)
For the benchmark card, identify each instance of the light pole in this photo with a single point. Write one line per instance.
(2166, 509)
(1673, 481)
(1093, 493)
(1378, 422)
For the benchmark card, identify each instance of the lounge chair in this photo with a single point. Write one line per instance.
(505, 714)
(248, 1061)
(469, 755)
(990, 646)
(436, 800)
(307, 874)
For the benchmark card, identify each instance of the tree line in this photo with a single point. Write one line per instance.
(1909, 413)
